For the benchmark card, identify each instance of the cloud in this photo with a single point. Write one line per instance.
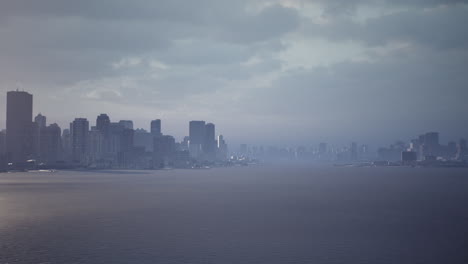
(302, 64)
(440, 28)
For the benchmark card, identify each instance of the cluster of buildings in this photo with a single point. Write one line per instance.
(321, 153)
(426, 150)
(28, 143)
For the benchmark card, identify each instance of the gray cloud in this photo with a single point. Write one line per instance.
(236, 63)
(440, 28)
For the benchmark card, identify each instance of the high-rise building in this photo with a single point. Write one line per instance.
(95, 144)
(19, 137)
(103, 123)
(222, 148)
(40, 120)
(156, 127)
(209, 144)
(50, 145)
(2, 142)
(354, 151)
(66, 144)
(143, 139)
(79, 138)
(128, 124)
(103, 126)
(197, 138)
(164, 149)
(462, 150)
(431, 146)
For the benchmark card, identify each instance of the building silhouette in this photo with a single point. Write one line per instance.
(209, 144)
(79, 139)
(156, 127)
(31, 143)
(50, 144)
(197, 138)
(40, 120)
(19, 136)
(2, 142)
(128, 124)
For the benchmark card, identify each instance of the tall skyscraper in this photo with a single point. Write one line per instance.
(79, 138)
(103, 126)
(431, 146)
(2, 142)
(156, 127)
(164, 149)
(103, 123)
(50, 145)
(41, 120)
(19, 137)
(222, 148)
(197, 138)
(209, 144)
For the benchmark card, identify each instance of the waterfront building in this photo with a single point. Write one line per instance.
(19, 136)
(79, 139)
(156, 127)
(197, 138)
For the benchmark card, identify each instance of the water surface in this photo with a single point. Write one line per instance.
(236, 215)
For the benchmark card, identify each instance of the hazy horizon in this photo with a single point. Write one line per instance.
(264, 71)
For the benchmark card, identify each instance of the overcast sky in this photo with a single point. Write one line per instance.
(261, 70)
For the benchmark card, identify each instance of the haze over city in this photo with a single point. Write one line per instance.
(266, 71)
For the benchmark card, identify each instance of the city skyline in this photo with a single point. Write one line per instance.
(154, 127)
(29, 142)
(311, 71)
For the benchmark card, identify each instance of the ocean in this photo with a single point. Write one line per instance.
(258, 214)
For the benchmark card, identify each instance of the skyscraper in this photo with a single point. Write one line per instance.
(431, 145)
(40, 120)
(197, 138)
(156, 127)
(79, 138)
(222, 148)
(103, 123)
(103, 126)
(19, 137)
(128, 124)
(50, 144)
(209, 144)
(2, 142)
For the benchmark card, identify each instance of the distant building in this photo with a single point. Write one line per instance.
(243, 149)
(103, 123)
(431, 146)
(209, 144)
(128, 124)
(66, 144)
(462, 150)
(197, 138)
(354, 152)
(50, 144)
(143, 139)
(79, 139)
(156, 127)
(3, 161)
(95, 144)
(222, 152)
(2, 142)
(409, 157)
(41, 120)
(164, 150)
(19, 137)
